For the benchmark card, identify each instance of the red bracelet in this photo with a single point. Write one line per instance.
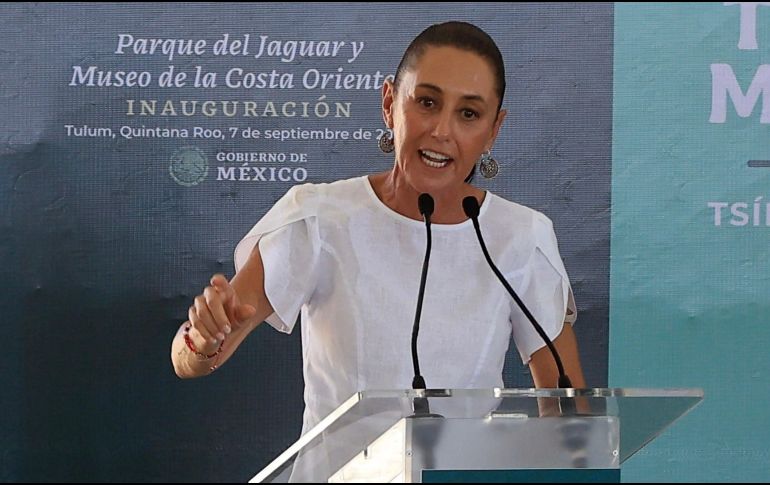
(195, 351)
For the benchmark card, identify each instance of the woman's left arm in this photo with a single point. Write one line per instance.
(543, 367)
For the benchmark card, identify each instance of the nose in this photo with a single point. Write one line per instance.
(443, 126)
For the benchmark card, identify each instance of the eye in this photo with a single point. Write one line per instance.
(426, 102)
(469, 114)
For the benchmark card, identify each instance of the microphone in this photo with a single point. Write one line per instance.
(471, 208)
(426, 432)
(425, 204)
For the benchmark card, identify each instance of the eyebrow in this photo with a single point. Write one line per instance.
(433, 87)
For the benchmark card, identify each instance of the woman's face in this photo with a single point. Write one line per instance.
(443, 117)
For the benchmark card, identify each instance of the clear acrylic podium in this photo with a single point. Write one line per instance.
(407, 435)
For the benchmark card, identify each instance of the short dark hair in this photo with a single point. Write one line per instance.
(461, 35)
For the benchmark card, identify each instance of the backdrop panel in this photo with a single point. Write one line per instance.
(140, 142)
(690, 226)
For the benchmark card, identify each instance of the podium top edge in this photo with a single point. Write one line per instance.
(629, 392)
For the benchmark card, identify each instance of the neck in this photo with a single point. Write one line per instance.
(399, 196)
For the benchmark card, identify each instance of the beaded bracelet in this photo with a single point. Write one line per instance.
(201, 356)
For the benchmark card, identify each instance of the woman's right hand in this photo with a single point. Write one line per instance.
(217, 312)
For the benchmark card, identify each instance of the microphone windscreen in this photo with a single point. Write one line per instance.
(471, 207)
(425, 204)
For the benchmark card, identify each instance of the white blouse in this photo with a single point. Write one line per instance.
(351, 266)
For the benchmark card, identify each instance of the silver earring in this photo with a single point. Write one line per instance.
(386, 142)
(488, 166)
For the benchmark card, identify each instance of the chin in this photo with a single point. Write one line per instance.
(435, 184)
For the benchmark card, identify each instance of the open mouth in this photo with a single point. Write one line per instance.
(434, 159)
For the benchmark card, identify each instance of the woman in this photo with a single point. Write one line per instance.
(348, 255)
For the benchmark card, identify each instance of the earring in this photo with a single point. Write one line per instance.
(386, 142)
(488, 166)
